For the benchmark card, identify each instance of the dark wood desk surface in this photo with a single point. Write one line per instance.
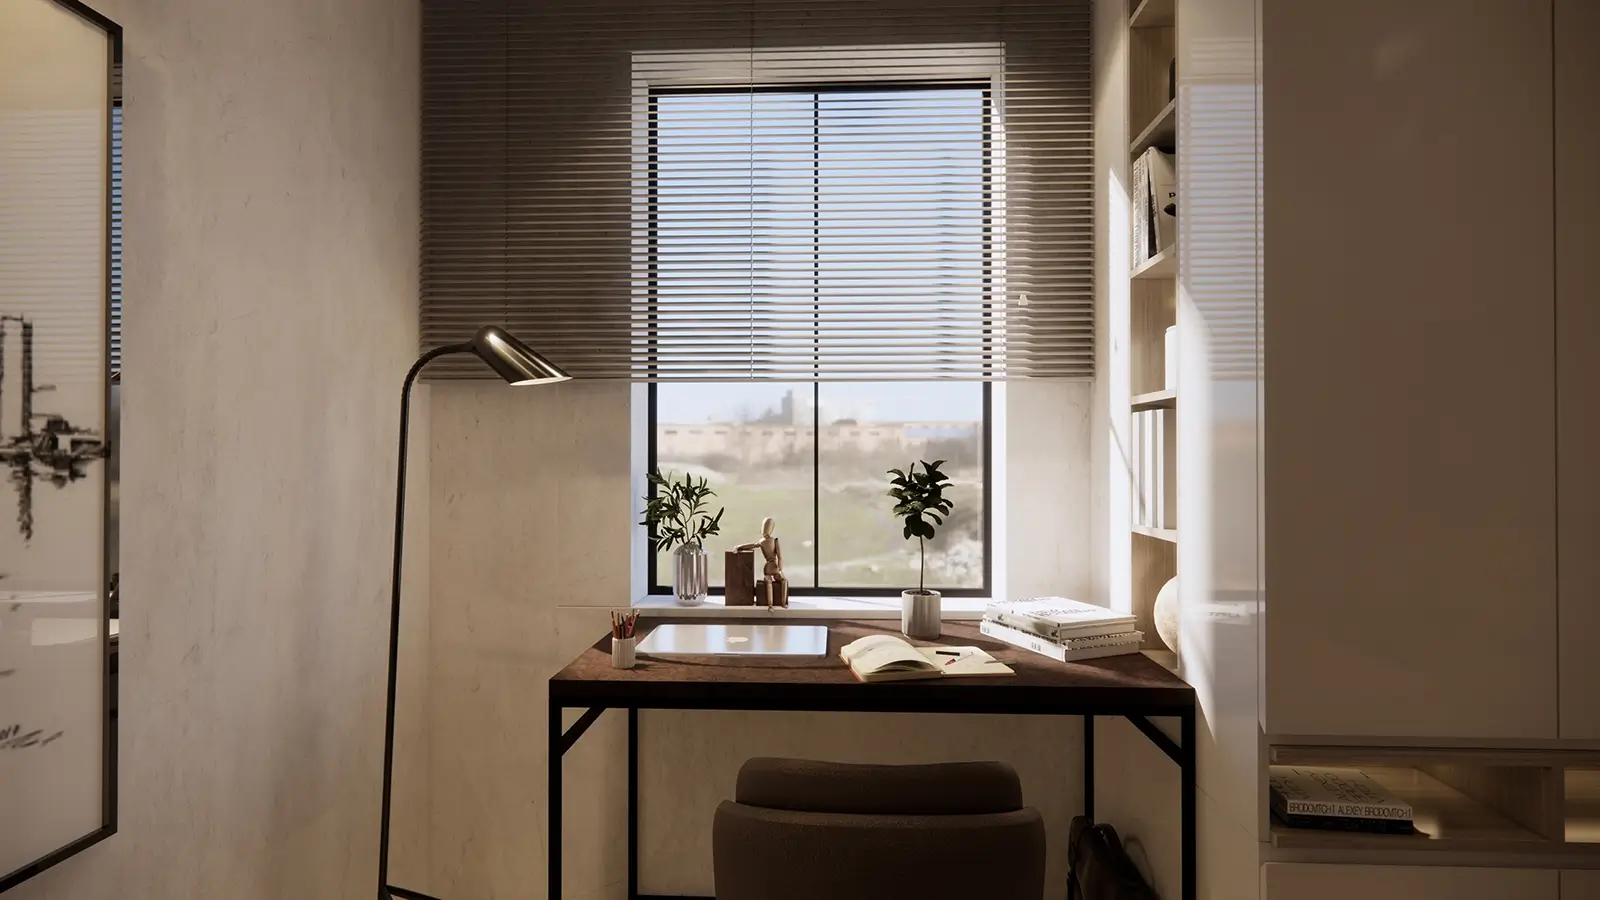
(1117, 685)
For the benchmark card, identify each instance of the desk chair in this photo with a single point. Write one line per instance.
(801, 830)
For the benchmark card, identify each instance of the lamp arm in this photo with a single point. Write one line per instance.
(394, 601)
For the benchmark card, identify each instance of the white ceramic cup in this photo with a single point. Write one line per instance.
(919, 614)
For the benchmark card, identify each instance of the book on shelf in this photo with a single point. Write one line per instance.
(1166, 467)
(1141, 200)
(1135, 452)
(884, 657)
(1162, 227)
(1147, 468)
(1169, 358)
(1068, 650)
(1340, 799)
(1058, 619)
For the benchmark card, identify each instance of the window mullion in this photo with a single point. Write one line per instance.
(816, 341)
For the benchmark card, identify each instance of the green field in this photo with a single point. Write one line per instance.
(861, 541)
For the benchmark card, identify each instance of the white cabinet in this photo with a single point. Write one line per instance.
(1577, 121)
(1296, 881)
(1410, 430)
(1580, 884)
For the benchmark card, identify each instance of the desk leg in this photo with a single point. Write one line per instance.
(553, 805)
(1191, 885)
(1088, 767)
(633, 804)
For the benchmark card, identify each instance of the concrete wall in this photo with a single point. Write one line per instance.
(272, 207)
(532, 520)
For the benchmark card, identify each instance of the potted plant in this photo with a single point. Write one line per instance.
(678, 516)
(919, 498)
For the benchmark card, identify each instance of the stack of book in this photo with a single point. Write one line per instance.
(1337, 799)
(1062, 629)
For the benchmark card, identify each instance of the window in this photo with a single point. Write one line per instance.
(871, 199)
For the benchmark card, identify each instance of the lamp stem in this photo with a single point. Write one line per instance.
(394, 603)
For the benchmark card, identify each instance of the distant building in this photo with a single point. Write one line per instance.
(755, 443)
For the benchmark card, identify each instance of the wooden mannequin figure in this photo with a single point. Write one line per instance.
(774, 586)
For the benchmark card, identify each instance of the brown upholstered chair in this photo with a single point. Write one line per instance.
(801, 830)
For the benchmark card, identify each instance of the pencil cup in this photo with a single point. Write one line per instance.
(622, 653)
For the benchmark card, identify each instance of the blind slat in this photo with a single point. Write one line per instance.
(762, 189)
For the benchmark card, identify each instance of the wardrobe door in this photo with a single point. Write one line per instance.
(1577, 93)
(1580, 884)
(1301, 881)
(1410, 506)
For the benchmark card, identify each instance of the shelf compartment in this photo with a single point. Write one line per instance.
(1170, 535)
(1154, 564)
(1582, 790)
(1161, 132)
(1163, 265)
(1445, 817)
(1154, 308)
(1155, 400)
(1154, 14)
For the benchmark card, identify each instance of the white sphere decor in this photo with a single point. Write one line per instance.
(1166, 614)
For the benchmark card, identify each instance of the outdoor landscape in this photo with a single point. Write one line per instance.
(758, 445)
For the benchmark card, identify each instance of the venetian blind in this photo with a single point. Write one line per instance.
(762, 189)
(114, 363)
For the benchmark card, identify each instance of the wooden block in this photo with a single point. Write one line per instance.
(739, 577)
(780, 592)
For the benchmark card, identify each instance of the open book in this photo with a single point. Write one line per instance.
(884, 657)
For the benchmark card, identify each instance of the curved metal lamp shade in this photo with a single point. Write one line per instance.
(513, 360)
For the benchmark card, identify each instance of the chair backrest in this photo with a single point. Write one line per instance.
(803, 830)
(940, 789)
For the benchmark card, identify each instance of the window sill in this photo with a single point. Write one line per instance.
(952, 608)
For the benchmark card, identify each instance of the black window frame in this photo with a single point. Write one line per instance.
(986, 426)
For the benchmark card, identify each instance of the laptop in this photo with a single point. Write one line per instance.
(736, 640)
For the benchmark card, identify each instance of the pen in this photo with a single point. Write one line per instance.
(948, 652)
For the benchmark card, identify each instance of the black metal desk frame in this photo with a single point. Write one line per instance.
(614, 695)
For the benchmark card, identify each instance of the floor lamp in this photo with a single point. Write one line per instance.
(518, 364)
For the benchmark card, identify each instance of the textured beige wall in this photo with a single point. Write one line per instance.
(532, 513)
(272, 208)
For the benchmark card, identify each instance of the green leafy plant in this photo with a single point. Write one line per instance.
(676, 512)
(919, 497)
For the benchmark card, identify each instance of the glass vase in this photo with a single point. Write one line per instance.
(691, 574)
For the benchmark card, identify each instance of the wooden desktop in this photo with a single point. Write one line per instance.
(1132, 686)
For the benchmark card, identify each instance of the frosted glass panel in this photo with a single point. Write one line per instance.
(55, 87)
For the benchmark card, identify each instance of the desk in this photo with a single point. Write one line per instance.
(1131, 686)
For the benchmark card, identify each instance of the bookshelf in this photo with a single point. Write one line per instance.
(1161, 132)
(1170, 535)
(1581, 792)
(1445, 819)
(1539, 806)
(1164, 399)
(1161, 267)
(1154, 14)
(1152, 116)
